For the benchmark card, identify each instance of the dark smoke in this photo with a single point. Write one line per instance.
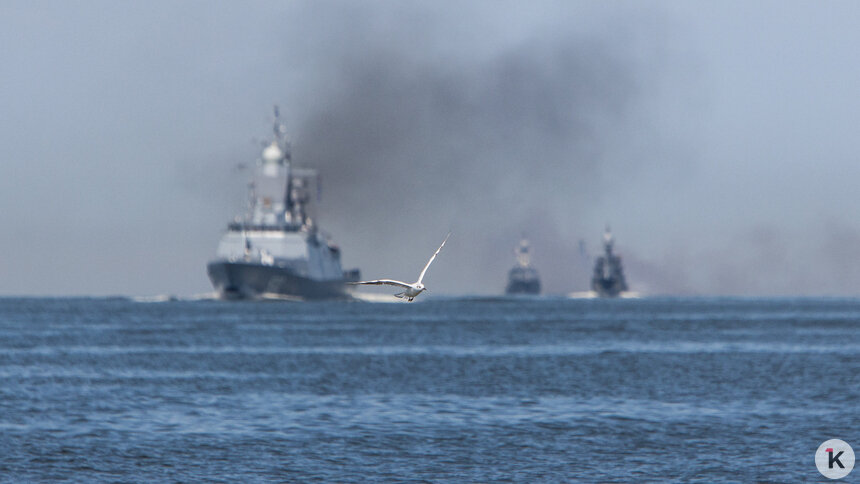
(414, 139)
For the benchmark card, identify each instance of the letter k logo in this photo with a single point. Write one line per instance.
(834, 459)
(831, 458)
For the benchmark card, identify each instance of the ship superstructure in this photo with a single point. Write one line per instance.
(523, 278)
(276, 249)
(608, 278)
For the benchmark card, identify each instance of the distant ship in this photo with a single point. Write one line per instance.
(275, 250)
(608, 279)
(523, 278)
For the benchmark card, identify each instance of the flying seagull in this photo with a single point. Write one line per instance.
(411, 290)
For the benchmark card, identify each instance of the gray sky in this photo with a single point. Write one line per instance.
(716, 138)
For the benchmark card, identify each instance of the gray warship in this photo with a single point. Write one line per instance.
(523, 278)
(276, 250)
(608, 278)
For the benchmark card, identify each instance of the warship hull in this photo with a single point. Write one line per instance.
(523, 281)
(528, 287)
(248, 280)
(607, 287)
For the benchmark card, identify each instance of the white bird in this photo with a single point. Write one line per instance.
(411, 290)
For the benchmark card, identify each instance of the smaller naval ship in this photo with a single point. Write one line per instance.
(523, 278)
(276, 249)
(608, 278)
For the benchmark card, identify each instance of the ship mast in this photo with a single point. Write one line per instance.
(608, 241)
(280, 192)
(279, 130)
(298, 183)
(522, 252)
(607, 248)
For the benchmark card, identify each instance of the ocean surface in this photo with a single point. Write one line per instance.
(443, 390)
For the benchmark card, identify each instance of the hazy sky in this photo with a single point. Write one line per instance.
(718, 139)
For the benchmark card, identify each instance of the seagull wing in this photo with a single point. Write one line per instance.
(424, 271)
(388, 282)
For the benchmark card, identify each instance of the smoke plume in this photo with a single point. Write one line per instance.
(415, 137)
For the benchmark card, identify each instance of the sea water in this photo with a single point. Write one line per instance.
(462, 390)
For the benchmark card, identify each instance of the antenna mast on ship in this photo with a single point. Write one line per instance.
(522, 252)
(279, 129)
